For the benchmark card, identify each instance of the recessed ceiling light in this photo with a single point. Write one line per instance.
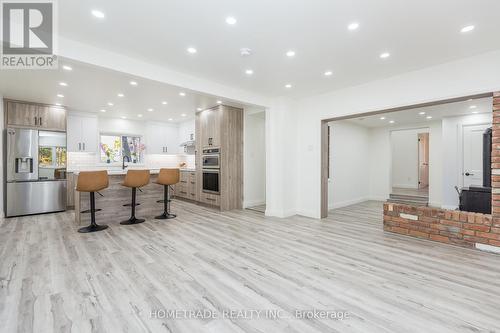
(391, 122)
(192, 50)
(473, 107)
(353, 26)
(102, 110)
(60, 95)
(385, 55)
(139, 115)
(468, 28)
(110, 104)
(219, 102)
(245, 51)
(123, 117)
(63, 84)
(67, 68)
(164, 102)
(328, 73)
(421, 113)
(475, 112)
(382, 118)
(98, 14)
(288, 86)
(133, 83)
(290, 53)
(249, 72)
(150, 110)
(182, 94)
(120, 95)
(183, 115)
(199, 109)
(58, 104)
(231, 20)
(429, 117)
(170, 119)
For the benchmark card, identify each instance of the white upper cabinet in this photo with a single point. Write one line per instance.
(82, 132)
(186, 133)
(162, 139)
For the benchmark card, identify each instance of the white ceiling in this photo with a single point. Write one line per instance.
(416, 33)
(90, 88)
(437, 112)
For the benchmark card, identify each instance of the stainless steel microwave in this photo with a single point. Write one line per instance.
(211, 158)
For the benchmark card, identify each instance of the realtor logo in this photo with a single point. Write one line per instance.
(28, 35)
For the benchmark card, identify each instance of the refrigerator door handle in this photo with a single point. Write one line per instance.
(83, 146)
(36, 121)
(79, 146)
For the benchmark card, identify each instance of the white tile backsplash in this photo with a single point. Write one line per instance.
(86, 161)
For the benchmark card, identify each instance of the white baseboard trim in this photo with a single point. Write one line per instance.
(346, 203)
(413, 187)
(378, 198)
(488, 248)
(280, 213)
(253, 203)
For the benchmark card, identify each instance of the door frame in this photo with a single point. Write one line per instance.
(324, 138)
(428, 134)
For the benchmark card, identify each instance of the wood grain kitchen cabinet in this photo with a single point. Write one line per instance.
(210, 128)
(33, 115)
(52, 118)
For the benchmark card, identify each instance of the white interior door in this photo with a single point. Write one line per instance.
(423, 160)
(473, 154)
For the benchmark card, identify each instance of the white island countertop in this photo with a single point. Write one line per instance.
(120, 171)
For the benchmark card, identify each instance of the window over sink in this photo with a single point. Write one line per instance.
(113, 147)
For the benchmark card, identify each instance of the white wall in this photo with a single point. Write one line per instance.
(435, 164)
(349, 181)
(405, 157)
(452, 150)
(254, 169)
(2, 127)
(460, 78)
(380, 163)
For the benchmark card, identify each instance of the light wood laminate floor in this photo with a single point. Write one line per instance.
(53, 279)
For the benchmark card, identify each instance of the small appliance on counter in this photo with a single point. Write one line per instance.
(477, 199)
(35, 172)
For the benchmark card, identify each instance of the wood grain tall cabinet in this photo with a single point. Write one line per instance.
(221, 127)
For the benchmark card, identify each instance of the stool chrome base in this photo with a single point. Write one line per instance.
(92, 228)
(132, 220)
(165, 216)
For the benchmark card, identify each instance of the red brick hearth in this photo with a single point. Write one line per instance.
(454, 227)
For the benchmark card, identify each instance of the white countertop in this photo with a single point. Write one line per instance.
(119, 171)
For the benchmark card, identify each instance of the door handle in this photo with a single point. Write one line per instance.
(36, 121)
(469, 174)
(40, 121)
(166, 149)
(83, 145)
(79, 146)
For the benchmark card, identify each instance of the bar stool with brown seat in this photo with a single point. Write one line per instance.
(135, 179)
(167, 177)
(92, 181)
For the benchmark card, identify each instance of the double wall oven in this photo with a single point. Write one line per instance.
(211, 170)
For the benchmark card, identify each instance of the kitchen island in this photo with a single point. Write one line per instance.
(115, 196)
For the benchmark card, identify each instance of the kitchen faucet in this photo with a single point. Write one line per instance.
(123, 161)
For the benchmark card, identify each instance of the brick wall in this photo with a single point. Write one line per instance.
(446, 226)
(454, 227)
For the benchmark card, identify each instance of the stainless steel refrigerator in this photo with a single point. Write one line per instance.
(35, 172)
